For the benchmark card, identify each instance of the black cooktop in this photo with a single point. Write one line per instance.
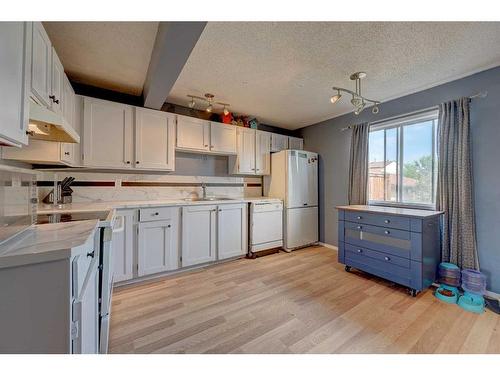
(67, 217)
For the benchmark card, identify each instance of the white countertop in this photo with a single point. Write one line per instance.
(47, 242)
(106, 206)
(391, 210)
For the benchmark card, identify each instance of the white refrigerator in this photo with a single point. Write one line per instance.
(294, 179)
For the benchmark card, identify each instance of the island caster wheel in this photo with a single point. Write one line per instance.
(413, 292)
(347, 268)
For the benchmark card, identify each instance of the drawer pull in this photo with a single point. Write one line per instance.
(91, 255)
(387, 232)
(168, 226)
(359, 217)
(387, 258)
(155, 214)
(360, 250)
(359, 227)
(387, 221)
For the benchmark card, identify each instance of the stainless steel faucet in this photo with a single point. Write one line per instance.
(204, 188)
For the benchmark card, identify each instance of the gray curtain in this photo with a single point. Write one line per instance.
(454, 184)
(358, 166)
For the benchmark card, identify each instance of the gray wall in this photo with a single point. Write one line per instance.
(333, 147)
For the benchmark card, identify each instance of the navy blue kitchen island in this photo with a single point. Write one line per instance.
(398, 244)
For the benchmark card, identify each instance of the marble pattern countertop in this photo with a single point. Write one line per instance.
(47, 242)
(400, 211)
(107, 206)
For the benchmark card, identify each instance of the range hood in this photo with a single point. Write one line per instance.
(50, 126)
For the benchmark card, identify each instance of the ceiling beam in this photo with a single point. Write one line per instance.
(173, 45)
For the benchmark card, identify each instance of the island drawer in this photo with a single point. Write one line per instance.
(389, 221)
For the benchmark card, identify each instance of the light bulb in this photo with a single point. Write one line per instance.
(335, 98)
(209, 108)
(226, 112)
(360, 108)
(192, 103)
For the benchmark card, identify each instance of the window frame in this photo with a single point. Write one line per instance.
(399, 123)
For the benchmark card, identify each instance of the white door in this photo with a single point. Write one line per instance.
(198, 234)
(232, 230)
(279, 142)
(107, 134)
(263, 153)
(301, 227)
(295, 143)
(298, 182)
(157, 246)
(41, 65)
(56, 88)
(154, 139)
(222, 138)
(14, 77)
(86, 314)
(122, 245)
(246, 150)
(193, 134)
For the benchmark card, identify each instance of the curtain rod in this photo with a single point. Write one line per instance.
(481, 94)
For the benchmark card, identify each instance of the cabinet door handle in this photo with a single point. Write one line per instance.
(168, 226)
(137, 162)
(66, 153)
(387, 258)
(30, 132)
(387, 221)
(156, 214)
(360, 250)
(359, 227)
(91, 255)
(387, 232)
(359, 218)
(128, 161)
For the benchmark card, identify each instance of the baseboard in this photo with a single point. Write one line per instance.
(327, 245)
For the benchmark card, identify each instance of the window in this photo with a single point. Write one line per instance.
(402, 161)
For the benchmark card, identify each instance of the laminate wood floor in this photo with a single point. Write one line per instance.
(303, 302)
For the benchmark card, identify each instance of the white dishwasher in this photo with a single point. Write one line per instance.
(266, 225)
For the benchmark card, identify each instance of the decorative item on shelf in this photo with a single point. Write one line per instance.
(226, 118)
(253, 123)
(357, 100)
(208, 99)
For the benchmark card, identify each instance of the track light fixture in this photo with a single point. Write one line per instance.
(358, 101)
(208, 99)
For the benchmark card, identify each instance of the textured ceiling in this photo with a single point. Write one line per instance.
(110, 55)
(283, 72)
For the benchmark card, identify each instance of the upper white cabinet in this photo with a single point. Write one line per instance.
(197, 135)
(193, 134)
(253, 152)
(222, 138)
(56, 89)
(14, 81)
(41, 65)
(295, 143)
(154, 137)
(262, 153)
(109, 141)
(107, 134)
(199, 232)
(279, 142)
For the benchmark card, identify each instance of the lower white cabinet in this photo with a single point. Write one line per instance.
(232, 232)
(157, 245)
(123, 245)
(198, 234)
(213, 232)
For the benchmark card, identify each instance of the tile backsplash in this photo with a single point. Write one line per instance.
(115, 186)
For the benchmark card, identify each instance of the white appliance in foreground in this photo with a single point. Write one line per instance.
(266, 225)
(294, 179)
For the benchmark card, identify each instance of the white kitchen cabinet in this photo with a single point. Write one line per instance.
(222, 138)
(107, 134)
(199, 231)
(42, 152)
(232, 232)
(295, 143)
(68, 101)
(14, 78)
(193, 134)
(123, 245)
(154, 139)
(279, 142)
(262, 153)
(157, 248)
(41, 65)
(57, 83)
